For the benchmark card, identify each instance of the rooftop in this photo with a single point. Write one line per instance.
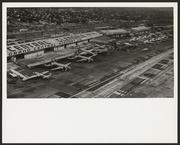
(114, 31)
(141, 28)
(45, 43)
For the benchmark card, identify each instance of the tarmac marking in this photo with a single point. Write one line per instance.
(147, 63)
(128, 71)
(97, 84)
(159, 74)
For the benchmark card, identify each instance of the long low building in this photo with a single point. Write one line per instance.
(114, 32)
(140, 29)
(34, 48)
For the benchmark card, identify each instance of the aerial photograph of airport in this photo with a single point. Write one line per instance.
(90, 52)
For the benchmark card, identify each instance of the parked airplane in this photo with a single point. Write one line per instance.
(144, 37)
(147, 41)
(158, 39)
(101, 49)
(127, 44)
(133, 39)
(152, 40)
(145, 49)
(138, 38)
(38, 74)
(24, 78)
(87, 51)
(101, 46)
(63, 67)
(81, 58)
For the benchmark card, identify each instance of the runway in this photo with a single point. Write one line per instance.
(124, 78)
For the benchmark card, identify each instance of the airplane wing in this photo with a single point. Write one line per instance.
(45, 72)
(81, 53)
(57, 68)
(61, 65)
(46, 76)
(18, 74)
(94, 54)
(31, 77)
(67, 65)
(80, 56)
(36, 75)
(13, 75)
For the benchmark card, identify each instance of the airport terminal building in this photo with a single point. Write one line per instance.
(33, 49)
(37, 48)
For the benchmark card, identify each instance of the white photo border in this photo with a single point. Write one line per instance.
(54, 120)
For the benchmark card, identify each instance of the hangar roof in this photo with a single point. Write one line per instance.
(114, 31)
(45, 43)
(141, 28)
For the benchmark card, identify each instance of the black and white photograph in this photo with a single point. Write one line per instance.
(89, 72)
(90, 52)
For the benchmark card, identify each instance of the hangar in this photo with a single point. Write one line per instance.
(37, 48)
(140, 29)
(115, 32)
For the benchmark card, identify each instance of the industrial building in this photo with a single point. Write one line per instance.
(32, 49)
(140, 29)
(115, 32)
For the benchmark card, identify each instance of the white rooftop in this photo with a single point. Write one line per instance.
(140, 28)
(114, 31)
(45, 43)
